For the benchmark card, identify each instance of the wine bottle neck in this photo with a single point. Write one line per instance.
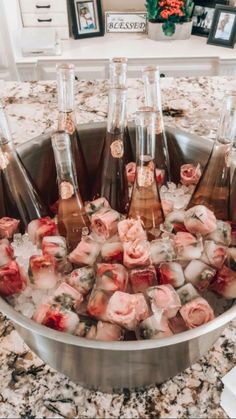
(226, 133)
(5, 134)
(118, 72)
(152, 90)
(65, 165)
(117, 118)
(145, 135)
(66, 122)
(65, 83)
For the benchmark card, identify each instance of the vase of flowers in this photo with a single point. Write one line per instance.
(169, 19)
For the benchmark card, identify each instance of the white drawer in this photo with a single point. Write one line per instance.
(42, 6)
(45, 19)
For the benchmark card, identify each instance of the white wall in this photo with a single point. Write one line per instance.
(123, 5)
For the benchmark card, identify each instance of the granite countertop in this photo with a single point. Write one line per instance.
(28, 387)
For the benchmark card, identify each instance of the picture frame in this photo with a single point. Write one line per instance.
(202, 16)
(86, 17)
(125, 22)
(223, 28)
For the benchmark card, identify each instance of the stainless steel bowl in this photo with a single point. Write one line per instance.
(111, 366)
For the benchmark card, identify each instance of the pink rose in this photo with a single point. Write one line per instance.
(131, 229)
(199, 274)
(12, 280)
(127, 310)
(104, 222)
(164, 297)
(200, 219)
(86, 252)
(42, 271)
(131, 172)
(82, 279)
(225, 283)
(37, 229)
(112, 252)
(136, 254)
(8, 226)
(196, 313)
(142, 278)
(155, 327)
(214, 254)
(190, 174)
(6, 252)
(222, 234)
(111, 277)
(171, 273)
(98, 302)
(56, 317)
(54, 246)
(96, 205)
(187, 246)
(109, 332)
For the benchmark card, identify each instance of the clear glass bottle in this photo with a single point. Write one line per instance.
(111, 179)
(67, 123)
(19, 197)
(145, 201)
(213, 189)
(72, 219)
(152, 93)
(118, 79)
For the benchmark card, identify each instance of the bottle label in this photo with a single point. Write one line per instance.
(66, 190)
(145, 175)
(117, 149)
(66, 123)
(4, 161)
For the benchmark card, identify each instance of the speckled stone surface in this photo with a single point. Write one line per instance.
(28, 387)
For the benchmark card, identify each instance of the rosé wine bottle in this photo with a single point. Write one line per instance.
(67, 123)
(112, 179)
(213, 189)
(118, 78)
(145, 201)
(19, 197)
(72, 219)
(152, 93)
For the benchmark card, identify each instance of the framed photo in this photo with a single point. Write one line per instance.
(203, 13)
(86, 16)
(223, 29)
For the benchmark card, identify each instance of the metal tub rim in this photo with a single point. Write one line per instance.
(62, 337)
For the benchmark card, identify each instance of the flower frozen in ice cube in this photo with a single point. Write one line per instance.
(82, 279)
(12, 279)
(165, 298)
(199, 274)
(111, 277)
(42, 271)
(171, 273)
(199, 219)
(86, 252)
(56, 317)
(142, 278)
(41, 227)
(8, 227)
(196, 312)
(155, 327)
(162, 250)
(6, 252)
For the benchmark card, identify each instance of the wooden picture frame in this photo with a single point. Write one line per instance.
(86, 16)
(223, 28)
(202, 17)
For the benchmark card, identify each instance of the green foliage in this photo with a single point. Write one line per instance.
(151, 6)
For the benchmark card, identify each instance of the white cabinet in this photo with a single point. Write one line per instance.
(46, 13)
(8, 69)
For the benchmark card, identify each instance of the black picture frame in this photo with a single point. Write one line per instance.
(221, 33)
(202, 16)
(86, 18)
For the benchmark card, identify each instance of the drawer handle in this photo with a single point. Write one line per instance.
(44, 20)
(42, 7)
